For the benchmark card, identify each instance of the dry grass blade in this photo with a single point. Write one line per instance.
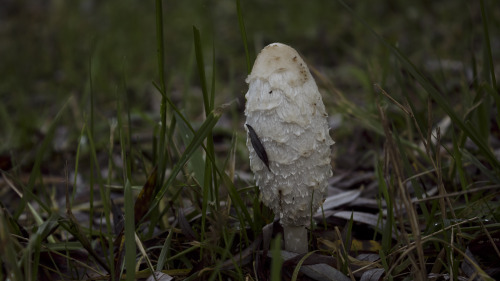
(402, 193)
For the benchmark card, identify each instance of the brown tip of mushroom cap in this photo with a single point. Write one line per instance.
(280, 58)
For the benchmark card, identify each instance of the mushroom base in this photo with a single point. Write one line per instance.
(296, 238)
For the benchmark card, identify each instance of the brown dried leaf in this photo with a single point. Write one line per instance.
(145, 197)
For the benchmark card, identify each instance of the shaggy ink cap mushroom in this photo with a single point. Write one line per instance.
(286, 118)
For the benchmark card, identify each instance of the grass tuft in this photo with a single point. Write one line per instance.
(107, 175)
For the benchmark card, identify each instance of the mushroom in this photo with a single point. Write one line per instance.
(288, 140)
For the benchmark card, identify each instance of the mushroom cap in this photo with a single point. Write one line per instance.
(276, 58)
(285, 109)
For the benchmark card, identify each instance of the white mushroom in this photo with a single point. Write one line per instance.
(288, 139)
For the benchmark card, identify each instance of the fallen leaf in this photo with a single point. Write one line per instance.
(159, 276)
(337, 200)
(374, 274)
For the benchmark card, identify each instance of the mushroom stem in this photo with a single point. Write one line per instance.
(295, 238)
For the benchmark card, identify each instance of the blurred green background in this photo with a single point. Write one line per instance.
(53, 50)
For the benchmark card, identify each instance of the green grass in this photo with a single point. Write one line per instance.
(122, 148)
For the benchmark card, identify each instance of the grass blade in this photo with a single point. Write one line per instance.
(77, 162)
(162, 151)
(130, 249)
(197, 164)
(243, 32)
(206, 198)
(105, 199)
(165, 250)
(489, 56)
(384, 190)
(299, 265)
(277, 260)
(8, 254)
(208, 103)
(201, 68)
(90, 135)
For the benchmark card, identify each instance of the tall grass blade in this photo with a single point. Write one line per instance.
(77, 162)
(201, 68)
(277, 260)
(487, 45)
(207, 182)
(212, 88)
(197, 163)
(162, 151)
(165, 250)
(105, 199)
(243, 32)
(130, 248)
(124, 143)
(35, 263)
(210, 138)
(345, 239)
(8, 254)
(459, 166)
(384, 189)
(385, 264)
(117, 256)
(208, 99)
(90, 135)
